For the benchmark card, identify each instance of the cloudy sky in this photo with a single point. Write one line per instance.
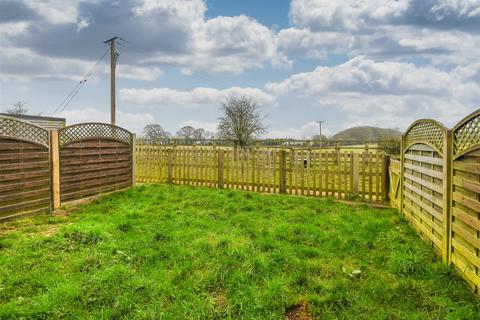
(348, 62)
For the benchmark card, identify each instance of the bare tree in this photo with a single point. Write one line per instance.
(241, 121)
(187, 133)
(18, 108)
(202, 135)
(155, 134)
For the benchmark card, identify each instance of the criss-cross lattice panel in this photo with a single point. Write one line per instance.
(427, 131)
(13, 128)
(86, 131)
(467, 134)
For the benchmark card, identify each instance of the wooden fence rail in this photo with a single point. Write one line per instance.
(344, 175)
(436, 187)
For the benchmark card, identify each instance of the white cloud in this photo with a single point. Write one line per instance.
(312, 44)
(158, 33)
(227, 45)
(441, 31)
(344, 14)
(190, 10)
(83, 23)
(369, 77)
(131, 121)
(387, 93)
(138, 73)
(165, 97)
(55, 11)
(24, 64)
(11, 29)
(457, 8)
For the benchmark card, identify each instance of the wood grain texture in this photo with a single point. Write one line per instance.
(423, 193)
(92, 167)
(466, 218)
(24, 178)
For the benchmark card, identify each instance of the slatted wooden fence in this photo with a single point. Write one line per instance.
(465, 199)
(343, 175)
(425, 181)
(40, 170)
(94, 158)
(24, 169)
(436, 187)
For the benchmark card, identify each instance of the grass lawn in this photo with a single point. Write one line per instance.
(175, 252)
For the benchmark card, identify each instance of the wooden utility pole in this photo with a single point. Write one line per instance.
(113, 62)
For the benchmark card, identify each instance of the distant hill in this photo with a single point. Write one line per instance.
(365, 133)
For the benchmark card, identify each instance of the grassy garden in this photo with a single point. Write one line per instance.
(178, 252)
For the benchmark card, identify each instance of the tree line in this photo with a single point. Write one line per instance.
(241, 122)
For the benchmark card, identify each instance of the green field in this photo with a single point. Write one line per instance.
(179, 252)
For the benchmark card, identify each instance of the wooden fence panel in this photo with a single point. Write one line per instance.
(423, 182)
(95, 158)
(438, 179)
(423, 192)
(307, 172)
(465, 244)
(24, 169)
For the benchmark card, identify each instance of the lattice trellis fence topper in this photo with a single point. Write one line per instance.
(16, 129)
(467, 133)
(87, 131)
(428, 131)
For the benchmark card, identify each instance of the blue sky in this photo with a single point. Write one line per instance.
(348, 62)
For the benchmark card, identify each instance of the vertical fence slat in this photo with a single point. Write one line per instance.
(320, 173)
(282, 166)
(370, 176)
(385, 178)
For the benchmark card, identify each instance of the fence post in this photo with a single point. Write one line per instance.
(220, 168)
(447, 195)
(386, 177)
(355, 174)
(170, 165)
(55, 169)
(134, 161)
(337, 154)
(283, 171)
(402, 170)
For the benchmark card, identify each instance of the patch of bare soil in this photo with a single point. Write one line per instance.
(28, 228)
(298, 312)
(48, 231)
(220, 301)
(67, 209)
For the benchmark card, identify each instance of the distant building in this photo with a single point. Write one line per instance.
(48, 123)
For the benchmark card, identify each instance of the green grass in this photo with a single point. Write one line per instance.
(171, 252)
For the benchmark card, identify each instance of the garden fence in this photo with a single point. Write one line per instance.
(344, 175)
(40, 170)
(436, 187)
(24, 168)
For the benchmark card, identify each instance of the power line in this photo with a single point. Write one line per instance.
(79, 85)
